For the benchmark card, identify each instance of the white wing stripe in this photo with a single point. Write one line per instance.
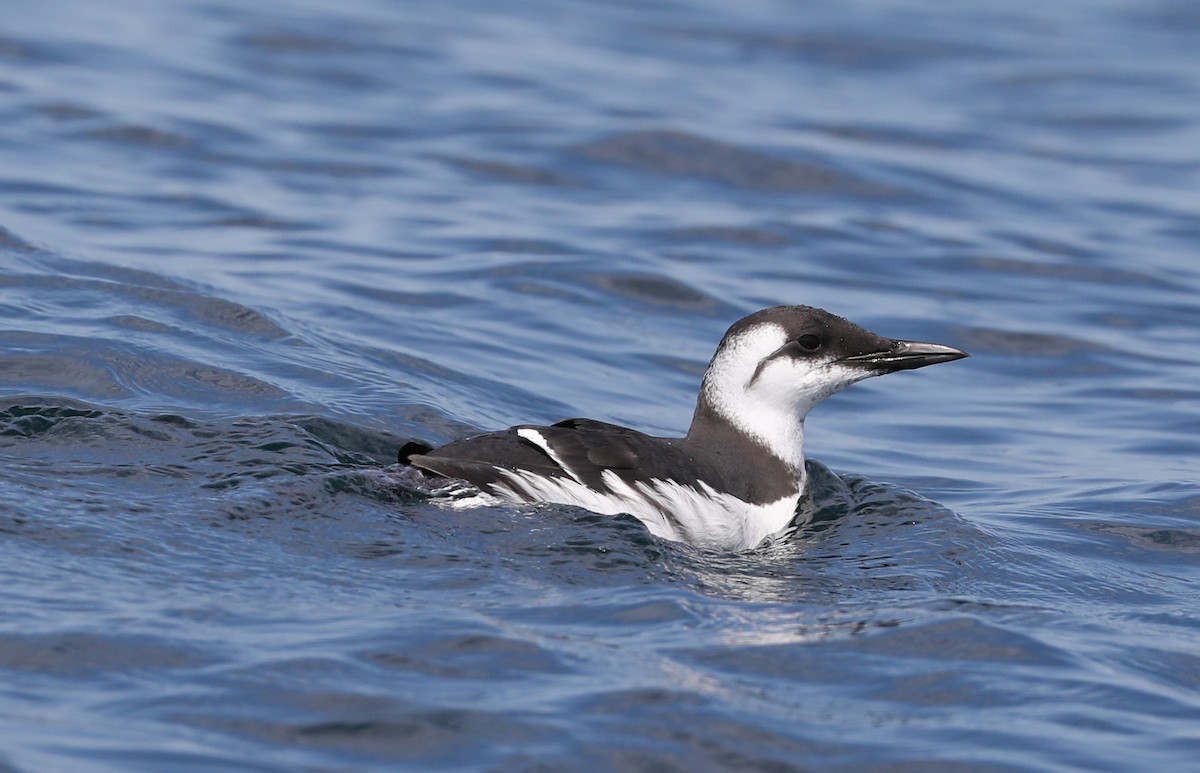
(535, 437)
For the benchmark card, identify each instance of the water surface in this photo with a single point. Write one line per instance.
(249, 251)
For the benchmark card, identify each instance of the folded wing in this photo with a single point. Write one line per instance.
(579, 450)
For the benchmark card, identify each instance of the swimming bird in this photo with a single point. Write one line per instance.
(737, 476)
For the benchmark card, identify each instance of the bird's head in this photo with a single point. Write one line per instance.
(773, 366)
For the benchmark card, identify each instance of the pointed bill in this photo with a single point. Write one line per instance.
(906, 355)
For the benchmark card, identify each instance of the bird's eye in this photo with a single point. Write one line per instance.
(809, 342)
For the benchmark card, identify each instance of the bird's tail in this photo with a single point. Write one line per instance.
(411, 449)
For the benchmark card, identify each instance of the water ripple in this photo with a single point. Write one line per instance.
(246, 254)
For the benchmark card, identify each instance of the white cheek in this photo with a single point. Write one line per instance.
(798, 385)
(770, 403)
(738, 360)
(781, 383)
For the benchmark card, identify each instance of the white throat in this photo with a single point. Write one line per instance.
(770, 410)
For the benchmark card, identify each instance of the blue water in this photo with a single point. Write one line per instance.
(249, 249)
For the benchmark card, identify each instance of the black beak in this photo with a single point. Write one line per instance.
(906, 355)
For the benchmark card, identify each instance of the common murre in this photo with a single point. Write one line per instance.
(737, 476)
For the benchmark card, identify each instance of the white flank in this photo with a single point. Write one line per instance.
(705, 515)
